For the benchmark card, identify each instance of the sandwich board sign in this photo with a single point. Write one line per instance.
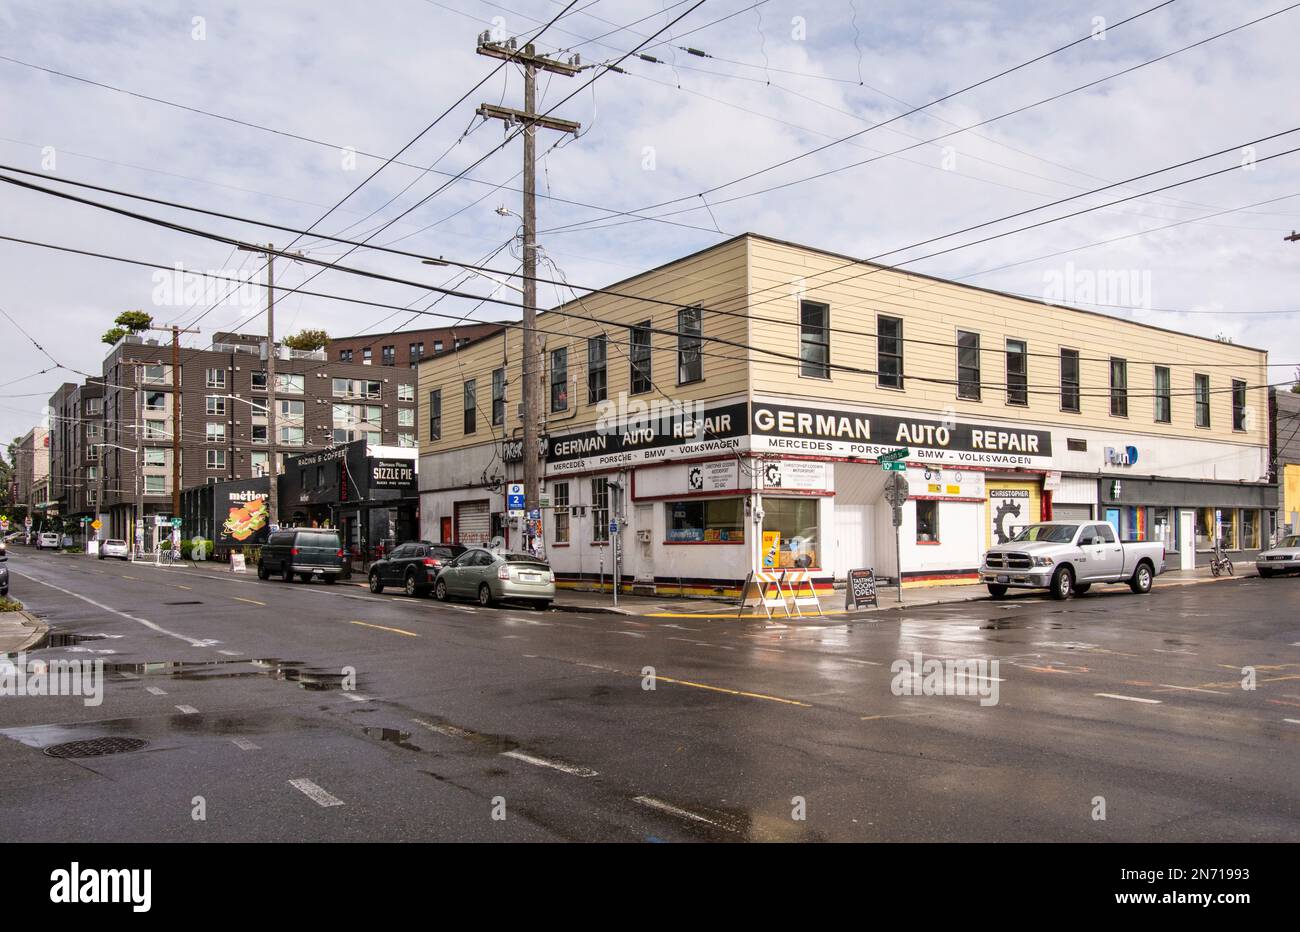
(861, 589)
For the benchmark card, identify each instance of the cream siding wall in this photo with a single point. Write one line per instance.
(933, 312)
(716, 279)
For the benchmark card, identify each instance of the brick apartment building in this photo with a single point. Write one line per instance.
(407, 347)
(32, 467)
(224, 431)
(76, 428)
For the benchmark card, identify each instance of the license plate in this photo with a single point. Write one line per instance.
(318, 572)
(1003, 579)
(529, 577)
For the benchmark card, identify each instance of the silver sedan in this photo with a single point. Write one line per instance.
(1284, 558)
(491, 577)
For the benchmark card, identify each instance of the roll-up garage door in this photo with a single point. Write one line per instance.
(1071, 512)
(473, 523)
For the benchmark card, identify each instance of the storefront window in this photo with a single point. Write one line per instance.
(791, 538)
(1162, 525)
(1135, 523)
(1250, 529)
(927, 522)
(716, 521)
(1229, 529)
(1204, 528)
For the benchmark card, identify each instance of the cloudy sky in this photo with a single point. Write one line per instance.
(333, 89)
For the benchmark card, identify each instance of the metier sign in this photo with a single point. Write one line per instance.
(828, 432)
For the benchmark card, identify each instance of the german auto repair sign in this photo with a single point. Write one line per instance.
(829, 432)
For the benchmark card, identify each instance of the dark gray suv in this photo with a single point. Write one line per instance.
(310, 553)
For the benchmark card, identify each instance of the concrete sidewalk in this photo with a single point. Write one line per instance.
(20, 631)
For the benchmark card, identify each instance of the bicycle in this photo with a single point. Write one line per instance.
(1219, 562)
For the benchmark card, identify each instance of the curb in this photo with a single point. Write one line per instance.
(40, 633)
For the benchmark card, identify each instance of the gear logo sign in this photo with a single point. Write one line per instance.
(772, 475)
(695, 478)
(1005, 510)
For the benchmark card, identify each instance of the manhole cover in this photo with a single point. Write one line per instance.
(95, 747)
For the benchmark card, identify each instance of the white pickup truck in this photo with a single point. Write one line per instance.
(1067, 557)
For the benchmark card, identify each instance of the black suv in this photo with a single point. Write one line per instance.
(413, 566)
(309, 552)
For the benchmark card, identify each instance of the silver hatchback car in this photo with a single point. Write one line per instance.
(491, 577)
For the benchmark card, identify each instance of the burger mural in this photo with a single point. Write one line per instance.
(240, 512)
(245, 520)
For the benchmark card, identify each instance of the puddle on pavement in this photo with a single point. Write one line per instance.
(392, 736)
(70, 640)
(158, 728)
(292, 671)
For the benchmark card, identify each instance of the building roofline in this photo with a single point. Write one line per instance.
(398, 333)
(934, 278)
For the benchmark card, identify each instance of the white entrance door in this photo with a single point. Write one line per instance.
(1187, 539)
(852, 530)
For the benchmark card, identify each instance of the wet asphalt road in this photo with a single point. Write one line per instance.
(460, 713)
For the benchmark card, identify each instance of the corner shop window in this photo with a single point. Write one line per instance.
(927, 522)
(715, 521)
(791, 536)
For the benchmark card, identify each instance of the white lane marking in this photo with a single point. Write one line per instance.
(231, 653)
(1191, 689)
(245, 745)
(552, 764)
(631, 634)
(193, 642)
(869, 663)
(156, 690)
(355, 697)
(1128, 698)
(510, 637)
(451, 731)
(1293, 721)
(669, 808)
(188, 709)
(314, 792)
(770, 650)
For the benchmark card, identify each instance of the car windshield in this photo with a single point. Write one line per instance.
(1292, 541)
(1051, 533)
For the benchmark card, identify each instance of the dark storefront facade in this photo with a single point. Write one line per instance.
(367, 492)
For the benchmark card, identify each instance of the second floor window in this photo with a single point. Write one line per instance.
(639, 358)
(968, 365)
(345, 355)
(216, 433)
(690, 360)
(1238, 404)
(435, 414)
(471, 414)
(597, 349)
(1017, 373)
(498, 397)
(1070, 380)
(216, 378)
(1118, 387)
(1163, 401)
(889, 351)
(1202, 400)
(389, 355)
(216, 404)
(814, 340)
(560, 380)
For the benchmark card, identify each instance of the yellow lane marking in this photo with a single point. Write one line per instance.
(249, 601)
(409, 634)
(124, 576)
(732, 692)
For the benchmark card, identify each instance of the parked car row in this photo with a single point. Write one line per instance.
(452, 571)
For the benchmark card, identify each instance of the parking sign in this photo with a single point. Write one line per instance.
(515, 497)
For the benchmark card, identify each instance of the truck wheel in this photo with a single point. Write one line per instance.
(1141, 581)
(996, 591)
(1063, 584)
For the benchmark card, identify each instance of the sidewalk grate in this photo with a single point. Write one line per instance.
(95, 747)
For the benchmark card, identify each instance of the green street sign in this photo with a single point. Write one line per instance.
(900, 454)
(887, 466)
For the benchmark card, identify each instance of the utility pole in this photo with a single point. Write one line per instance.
(176, 413)
(530, 120)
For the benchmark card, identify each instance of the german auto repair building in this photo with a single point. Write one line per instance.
(725, 413)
